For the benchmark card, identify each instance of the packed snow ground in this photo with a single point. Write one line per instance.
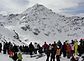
(5, 57)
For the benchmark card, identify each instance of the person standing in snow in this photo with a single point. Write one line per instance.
(15, 57)
(35, 47)
(81, 47)
(48, 52)
(72, 49)
(40, 49)
(72, 41)
(76, 47)
(11, 53)
(59, 44)
(15, 48)
(54, 45)
(64, 49)
(0, 47)
(5, 48)
(68, 50)
(31, 49)
(53, 53)
(45, 47)
(19, 55)
(58, 53)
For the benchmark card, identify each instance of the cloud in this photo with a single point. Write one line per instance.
(75, 10)
(59, 6)
(13, 6)
(55, 5)
(21, 2)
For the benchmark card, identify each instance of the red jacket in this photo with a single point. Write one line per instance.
(11, 53)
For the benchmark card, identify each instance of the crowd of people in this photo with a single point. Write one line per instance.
(53, 51)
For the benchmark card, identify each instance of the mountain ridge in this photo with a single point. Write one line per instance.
(39, 24)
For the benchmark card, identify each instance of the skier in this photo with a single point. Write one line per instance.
(19, 56)
(58, 53)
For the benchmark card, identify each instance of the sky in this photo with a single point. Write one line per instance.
(71, 7)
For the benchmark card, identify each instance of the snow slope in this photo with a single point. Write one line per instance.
(40, 24)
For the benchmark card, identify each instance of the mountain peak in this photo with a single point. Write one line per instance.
(38, 5)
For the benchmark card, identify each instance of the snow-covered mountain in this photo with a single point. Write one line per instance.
(40, 24)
